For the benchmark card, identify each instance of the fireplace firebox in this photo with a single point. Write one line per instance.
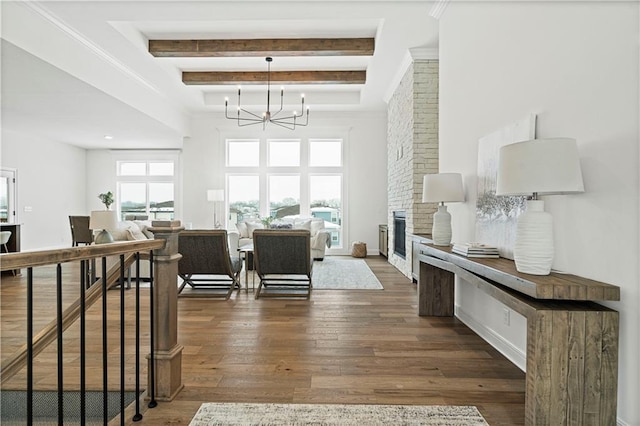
(399, 238)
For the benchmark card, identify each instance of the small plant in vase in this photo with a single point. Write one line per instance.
(107, 199)
(266, 221)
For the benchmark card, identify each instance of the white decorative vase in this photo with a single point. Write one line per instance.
(441, 231)
(533, 252)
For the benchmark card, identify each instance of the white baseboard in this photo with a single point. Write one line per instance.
(503, 346)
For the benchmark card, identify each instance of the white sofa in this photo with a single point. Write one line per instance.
(320, 238)
(131, 230)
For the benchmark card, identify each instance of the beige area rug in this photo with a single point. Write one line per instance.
(338, 415)
(343, 273)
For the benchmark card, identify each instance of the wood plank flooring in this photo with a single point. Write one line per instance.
(339, 347)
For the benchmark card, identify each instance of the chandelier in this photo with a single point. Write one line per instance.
(248, 118)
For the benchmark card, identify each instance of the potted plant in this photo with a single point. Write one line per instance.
(107, 199)
(266, 221)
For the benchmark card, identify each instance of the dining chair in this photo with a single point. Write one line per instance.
(80, 232)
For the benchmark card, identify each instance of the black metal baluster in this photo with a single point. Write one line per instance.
(138, 416)
(105, 349)
(152, 370)
(29, 345)
(59, 337)
(122, 340)
(83, 343)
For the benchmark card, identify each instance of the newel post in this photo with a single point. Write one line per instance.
(168, 354)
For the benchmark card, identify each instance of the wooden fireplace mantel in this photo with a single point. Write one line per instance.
(572, 342)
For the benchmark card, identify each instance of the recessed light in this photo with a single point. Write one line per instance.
(108, 137)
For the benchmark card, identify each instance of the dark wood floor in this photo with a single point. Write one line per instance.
(340, 347)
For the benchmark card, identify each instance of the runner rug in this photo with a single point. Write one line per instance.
(336, 415)
(343, 273)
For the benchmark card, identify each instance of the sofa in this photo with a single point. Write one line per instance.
(320, 238)
(132, 230)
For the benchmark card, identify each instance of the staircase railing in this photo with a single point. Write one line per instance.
(123, 257)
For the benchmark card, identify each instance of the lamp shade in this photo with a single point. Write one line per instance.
(215, 195)
(442, 187)
(541, 166)
(103, 219)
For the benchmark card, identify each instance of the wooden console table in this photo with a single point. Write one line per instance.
(572, 342)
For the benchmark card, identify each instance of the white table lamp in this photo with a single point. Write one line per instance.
(442, 188)
(215, 195)
(104, 220)
(532, 168)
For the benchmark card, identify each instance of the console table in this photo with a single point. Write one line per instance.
(572, 342)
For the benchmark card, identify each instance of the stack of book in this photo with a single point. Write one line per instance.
(476, 250)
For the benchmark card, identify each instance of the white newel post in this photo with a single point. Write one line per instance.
(168, 355)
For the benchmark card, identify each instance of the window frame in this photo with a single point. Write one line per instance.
(147, 157)
(264, 171)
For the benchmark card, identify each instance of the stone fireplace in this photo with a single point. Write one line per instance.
(412, 152)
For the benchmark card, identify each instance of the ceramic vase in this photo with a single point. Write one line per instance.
(533, 252)
(441, 231)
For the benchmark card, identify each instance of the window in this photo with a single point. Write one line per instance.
(146, 188)
(244, 197)
(286, 177)
(325, 153)
(243, 153)
(284, 195)
(284, 153)
(325, 194)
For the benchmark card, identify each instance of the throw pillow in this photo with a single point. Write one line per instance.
(251, 226)
(120, 233)
(144, 225)
(316, 226)
(134, 233)
(242, 229)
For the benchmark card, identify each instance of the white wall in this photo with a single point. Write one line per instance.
(51, 180)
(575, 65)
(365, 163)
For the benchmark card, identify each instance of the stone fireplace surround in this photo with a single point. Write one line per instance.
(412, 150)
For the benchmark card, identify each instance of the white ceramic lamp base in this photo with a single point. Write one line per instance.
(533, 252)
(441, 231)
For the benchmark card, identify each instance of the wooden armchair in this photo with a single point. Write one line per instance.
(207, 264)
(282, 260)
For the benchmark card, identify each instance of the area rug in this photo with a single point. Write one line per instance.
(343, 273)
(333, 414)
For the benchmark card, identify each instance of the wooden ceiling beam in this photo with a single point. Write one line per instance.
(263, 47)
(277, 77)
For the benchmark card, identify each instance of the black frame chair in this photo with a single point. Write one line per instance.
(206, 263)
(282, 260)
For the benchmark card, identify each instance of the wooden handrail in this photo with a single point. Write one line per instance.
(25, 259)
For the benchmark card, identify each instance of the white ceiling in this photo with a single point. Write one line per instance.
(78, 70)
